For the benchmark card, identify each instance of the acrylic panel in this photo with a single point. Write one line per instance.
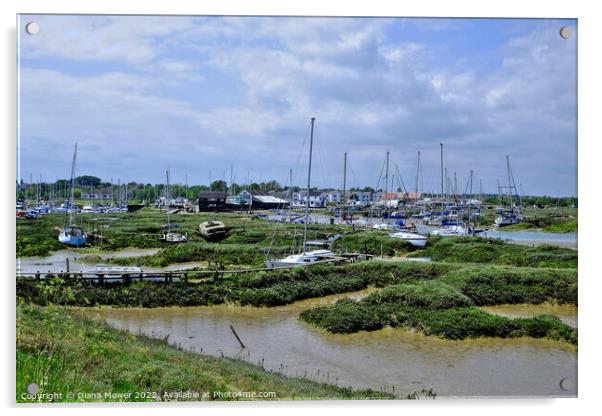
(277, 208)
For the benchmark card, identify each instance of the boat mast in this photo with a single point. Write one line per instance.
(386, 181)
(417, 173)
(509, 181)
(167, 198)
(311, 144)
(442, 202)
(344, 185)
(70, 205)
(290, 188)
(470, 202)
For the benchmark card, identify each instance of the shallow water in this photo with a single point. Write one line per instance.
(392, 359)
(568, 240)
(566, 313)
(56, 262)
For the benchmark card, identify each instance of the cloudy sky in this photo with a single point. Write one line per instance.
(202, 94)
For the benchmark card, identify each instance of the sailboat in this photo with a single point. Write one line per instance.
(306, 257)
(168, 234)
(513, 214)
(416, 240)
(72, 235)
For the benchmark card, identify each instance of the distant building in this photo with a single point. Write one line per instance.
(269, 202)
(335, 197)
(317, 199)
(361, 198)
(212, 201)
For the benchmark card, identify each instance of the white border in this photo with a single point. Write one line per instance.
(590, 22)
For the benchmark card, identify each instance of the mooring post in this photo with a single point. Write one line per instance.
(38, 275)
(67, 264)
(237, 337)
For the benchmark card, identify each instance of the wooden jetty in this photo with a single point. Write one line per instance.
(127, 275)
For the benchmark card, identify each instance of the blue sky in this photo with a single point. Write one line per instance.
(201, 94)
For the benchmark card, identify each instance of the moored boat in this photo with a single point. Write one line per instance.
(416, 240)
(72, 235)
(213, 230)
(307, 257)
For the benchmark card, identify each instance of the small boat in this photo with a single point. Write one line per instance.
(383, 226)
(31, 214)
(307, 257)
(416, 240)
(508, 218)
(450, 230)
(72, 235)
(213, 230)
(167, 233)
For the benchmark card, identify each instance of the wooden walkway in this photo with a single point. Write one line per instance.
(127, 277)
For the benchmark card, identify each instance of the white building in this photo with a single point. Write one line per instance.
(316, 199)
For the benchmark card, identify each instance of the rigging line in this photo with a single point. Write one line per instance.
(296, 170)
(267, 253)
(381, 175)
(467, 184)
(278, 206)
(350, 167)
(400, 180)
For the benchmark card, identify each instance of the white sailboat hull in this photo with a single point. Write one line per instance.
(416, 240)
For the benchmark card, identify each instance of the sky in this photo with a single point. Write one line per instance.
(218, 97)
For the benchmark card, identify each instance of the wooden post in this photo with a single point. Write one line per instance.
(101, 279)
(237, 337)
(140, 276)
(186, 276)
(67, 264)
(38, 275)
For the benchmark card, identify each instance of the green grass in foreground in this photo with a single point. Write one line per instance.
(64, 352)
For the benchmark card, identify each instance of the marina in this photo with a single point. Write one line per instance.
(295, 208)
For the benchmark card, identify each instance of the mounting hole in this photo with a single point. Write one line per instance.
(32, 28)
(565, 32)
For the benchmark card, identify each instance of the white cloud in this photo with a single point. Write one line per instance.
(370, 92)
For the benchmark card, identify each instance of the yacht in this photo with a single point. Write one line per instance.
(416, 240)
(307, 257)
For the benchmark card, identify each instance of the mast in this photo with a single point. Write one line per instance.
(470, 202)
(455, 187)
(344, 185)
(509, 181)
(417, 173)
(386, 181)
(167, 199)
(311, 144)
(290, 188)
(441, 144)
(70, 205)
